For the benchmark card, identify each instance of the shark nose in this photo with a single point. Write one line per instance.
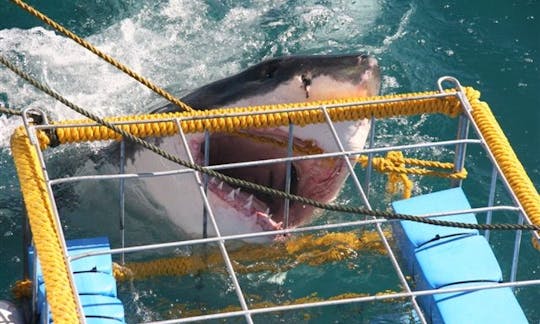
(368, 60)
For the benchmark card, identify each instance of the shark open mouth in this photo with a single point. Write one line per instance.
(267, 211)
(274, 81)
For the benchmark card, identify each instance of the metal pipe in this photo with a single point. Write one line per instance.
(35, 142)
(349, 301)
(221, 244)
(288, 170)
(369, 167)
(261, 162)
(205, 180)
(122, 197)
(515, 257)
(491, 199)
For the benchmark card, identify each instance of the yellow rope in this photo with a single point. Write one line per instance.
(512, 169)
(60, 293)
(394, 164)
(256, 302)
(308, 249)
(102, 55)
(219, 120)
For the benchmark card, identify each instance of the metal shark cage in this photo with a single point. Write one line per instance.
(56, 259)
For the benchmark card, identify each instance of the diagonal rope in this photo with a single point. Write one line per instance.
(9, 111)
(160, 91)
(253, 186)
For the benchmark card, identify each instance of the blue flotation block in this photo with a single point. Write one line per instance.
(439, 257)
(94, 280)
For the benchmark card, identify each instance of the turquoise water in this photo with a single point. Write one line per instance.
(494, 47)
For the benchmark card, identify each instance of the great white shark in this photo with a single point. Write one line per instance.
(279, 80)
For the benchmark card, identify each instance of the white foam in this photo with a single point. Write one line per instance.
(388, 83)
(278, 278)
(402, 27)
(180, 46)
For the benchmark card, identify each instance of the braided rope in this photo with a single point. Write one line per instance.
(394, 165)
(506, 158)
(60, 293)
(9, 111)
(307, 249)
(264, 116)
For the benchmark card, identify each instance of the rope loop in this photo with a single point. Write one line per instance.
(395, 166)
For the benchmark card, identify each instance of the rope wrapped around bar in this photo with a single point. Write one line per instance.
(506, 158)
(220, 120)
(60, 293)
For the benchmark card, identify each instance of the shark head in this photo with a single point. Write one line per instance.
(280, 80)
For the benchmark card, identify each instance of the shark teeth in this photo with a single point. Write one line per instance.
(233, 194)
(249, 202)
(239, 199)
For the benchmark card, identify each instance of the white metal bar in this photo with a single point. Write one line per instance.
(288, 170)
(324, 227)
(205, 177)
(34, 141)
(122, 200)
(352, 300)
(221, 243)
(491, 199)
(259, 162)
(369, 166)
(461, 149)
(515, 256)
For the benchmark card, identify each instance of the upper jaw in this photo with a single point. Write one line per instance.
(249, 203)
(318, 179)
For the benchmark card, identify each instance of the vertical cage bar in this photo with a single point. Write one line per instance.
(369, 167)
(205, 180)
(288, 171)
(491, 200)
(221, 244)
(122, 200)
(517, 245)
(461, 149)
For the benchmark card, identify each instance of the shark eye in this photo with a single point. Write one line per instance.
(306, 83)
(306, 80)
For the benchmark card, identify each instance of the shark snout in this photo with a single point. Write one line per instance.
(368, 61)
(370, 74)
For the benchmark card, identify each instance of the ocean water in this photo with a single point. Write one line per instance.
(493, 46)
